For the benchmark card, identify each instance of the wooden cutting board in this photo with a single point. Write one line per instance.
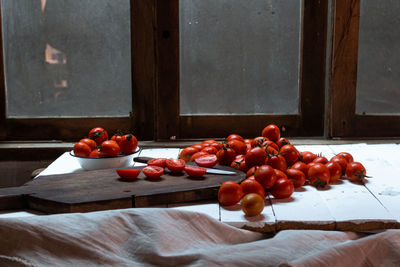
(103, 189)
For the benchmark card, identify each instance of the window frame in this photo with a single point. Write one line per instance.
(343, 120)
(309, 121)
(65, 128)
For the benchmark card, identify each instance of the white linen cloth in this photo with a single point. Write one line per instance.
(169, 237)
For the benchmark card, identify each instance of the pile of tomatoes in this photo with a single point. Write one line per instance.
(272, 165)
(98, 145)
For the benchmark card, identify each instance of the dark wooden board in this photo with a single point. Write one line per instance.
(103, 189)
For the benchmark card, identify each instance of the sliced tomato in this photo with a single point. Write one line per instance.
(194, 171)
(161, 162)
(153, 172)
(175, 165)
(207, 161)
(128, 173)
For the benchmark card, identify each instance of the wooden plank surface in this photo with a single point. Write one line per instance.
(103, 189)
(382, 162)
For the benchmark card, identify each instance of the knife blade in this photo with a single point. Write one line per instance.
(208, 170)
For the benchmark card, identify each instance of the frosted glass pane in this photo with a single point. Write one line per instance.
(378, 78)
(67, 58)
(239, 57)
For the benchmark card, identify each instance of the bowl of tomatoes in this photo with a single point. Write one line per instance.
(98, 151)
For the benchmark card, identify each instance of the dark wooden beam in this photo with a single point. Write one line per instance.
(143, 26)
(343, 67)
(167, 49)
(312, 71)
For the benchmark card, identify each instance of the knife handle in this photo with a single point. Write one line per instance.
(142, 159)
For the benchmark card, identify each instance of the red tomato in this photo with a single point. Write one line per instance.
(128, 144)
(283, 188)
(96, 153)
(187, 153)
(208, 142)
(251, 171)
(117, 138)
(307, 156)
(342, 162)
(81, 149)
(207, 161)
(356, 172)
(267, 144)
(91, 143)
(199, 147)
(217, 145)
(247, 141)
(110, 148)
(301, 166)
(252, 186)
(237, 161)
(280, 174)
(256, 156)
(175, 165)
(272, 132)
(243, 166)
(161, 162)
(320, 159)
(153, 172)
(226, 155)
(210, 150)
(271, 151)
(347, 156)
(198, 155)
(239, 147)
(258, 141)
(308, 167)
(319, 175)
(98, 134)
(128, 173)
(234, 137)
(266, 176)
(282, 141)
(196, 172)
(277, 162)
(296, 176)
(290, 153)
(335, 171)
(229, 193)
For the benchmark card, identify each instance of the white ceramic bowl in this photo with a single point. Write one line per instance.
(119, 161)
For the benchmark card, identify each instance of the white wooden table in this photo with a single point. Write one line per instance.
(343, 206)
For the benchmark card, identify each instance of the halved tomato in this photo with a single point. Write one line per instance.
(153, 172)
(194, 171)
(175, 165)
(128, 173)
(207, 161)
(161, 162)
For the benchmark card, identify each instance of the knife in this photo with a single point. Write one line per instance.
(208, 170)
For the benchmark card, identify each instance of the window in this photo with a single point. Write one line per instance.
(241, 65)
(67, 67)
(198, 68)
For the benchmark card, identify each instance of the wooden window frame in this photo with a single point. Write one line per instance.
(65, 129)
(309, 121)
(344, 122)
